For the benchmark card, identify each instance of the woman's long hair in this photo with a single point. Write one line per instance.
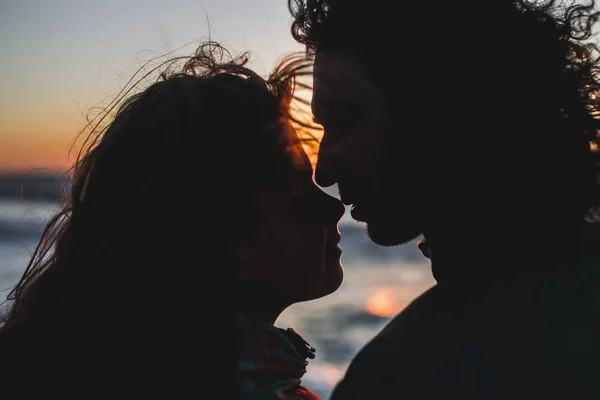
(161, 185)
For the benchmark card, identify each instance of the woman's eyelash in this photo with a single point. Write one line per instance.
(300, 189)
(296, 189)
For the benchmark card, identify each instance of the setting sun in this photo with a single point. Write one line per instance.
(383, 303)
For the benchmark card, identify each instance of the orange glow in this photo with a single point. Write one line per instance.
(383, 303)
(27, 152)
(37, 135)
(309, 132)
(310, 136)
(331, 374)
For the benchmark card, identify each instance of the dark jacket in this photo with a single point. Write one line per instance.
(530, 333)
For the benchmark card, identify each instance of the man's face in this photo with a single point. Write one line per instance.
(357, 154)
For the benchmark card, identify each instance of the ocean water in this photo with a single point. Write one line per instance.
(379, 282)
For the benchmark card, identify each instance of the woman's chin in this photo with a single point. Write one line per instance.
(333, 282)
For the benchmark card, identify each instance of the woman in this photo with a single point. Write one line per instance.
(192, 223)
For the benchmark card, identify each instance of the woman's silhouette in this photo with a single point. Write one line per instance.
(192, 223)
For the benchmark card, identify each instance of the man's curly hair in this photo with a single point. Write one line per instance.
(538, 57)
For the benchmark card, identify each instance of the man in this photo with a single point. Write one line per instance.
(470, 124)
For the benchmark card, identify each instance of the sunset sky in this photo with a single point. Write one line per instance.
(62, 57)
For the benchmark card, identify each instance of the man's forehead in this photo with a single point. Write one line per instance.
(338, 66)
(338, 77)
(332, 77)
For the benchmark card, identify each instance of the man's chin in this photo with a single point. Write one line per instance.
(388, 233)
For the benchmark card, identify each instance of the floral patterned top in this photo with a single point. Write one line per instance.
(271, 363)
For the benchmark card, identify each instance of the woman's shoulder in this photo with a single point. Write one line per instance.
(271, 364)
(282, 391)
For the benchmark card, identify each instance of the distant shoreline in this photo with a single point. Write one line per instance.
(36, 185)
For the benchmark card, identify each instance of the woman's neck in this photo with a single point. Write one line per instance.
(259, 307)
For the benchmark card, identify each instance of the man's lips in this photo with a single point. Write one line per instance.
(348, 199)
(358, 212)
(350, 194)
(356, 209)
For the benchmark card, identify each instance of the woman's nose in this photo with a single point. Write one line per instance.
(333, 207)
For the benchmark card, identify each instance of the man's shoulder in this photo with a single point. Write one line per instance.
(431, 340)
(435, 329)
(408, 332)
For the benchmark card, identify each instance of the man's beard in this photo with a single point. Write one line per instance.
(393, 228)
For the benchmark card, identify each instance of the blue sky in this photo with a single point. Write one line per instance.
(60, 57)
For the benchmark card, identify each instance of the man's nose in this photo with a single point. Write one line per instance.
(324, 173)
(327, 162)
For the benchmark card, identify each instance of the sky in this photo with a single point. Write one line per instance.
(62, 57)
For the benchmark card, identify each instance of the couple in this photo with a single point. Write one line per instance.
(495, 144)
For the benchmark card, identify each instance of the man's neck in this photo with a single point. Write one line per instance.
(476, 255)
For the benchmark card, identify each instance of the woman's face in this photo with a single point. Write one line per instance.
(294, 254)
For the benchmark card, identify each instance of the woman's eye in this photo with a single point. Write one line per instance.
(300, 189)
(297, 189)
